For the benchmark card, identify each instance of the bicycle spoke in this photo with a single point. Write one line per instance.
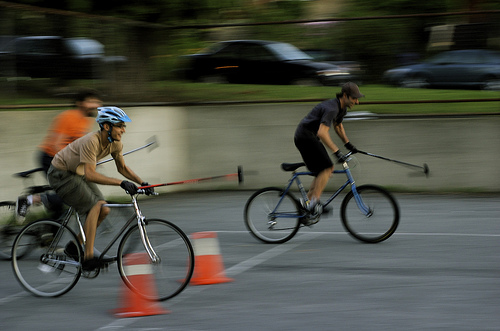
(372, 216)
(170, 275)
(271, 216)
(42, 267)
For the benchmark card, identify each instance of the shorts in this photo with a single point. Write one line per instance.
(313, 152)
(74, 190)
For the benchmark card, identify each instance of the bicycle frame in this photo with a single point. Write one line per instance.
(138, 216)
(350, 181)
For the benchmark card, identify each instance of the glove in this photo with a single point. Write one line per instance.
(149, 190)
(340, 156)
(351, 147)
(129, 187)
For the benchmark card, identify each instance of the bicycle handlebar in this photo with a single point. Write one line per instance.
(142, 190)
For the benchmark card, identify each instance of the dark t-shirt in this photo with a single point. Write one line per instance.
(326, 112)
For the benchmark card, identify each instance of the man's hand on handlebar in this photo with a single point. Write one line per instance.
(149, 190)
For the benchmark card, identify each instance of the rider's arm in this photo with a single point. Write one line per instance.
(339, 129)
(125, 170)
(92, 175)
(324, 135)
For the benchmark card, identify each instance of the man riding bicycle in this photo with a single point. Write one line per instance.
(312, 135)
(65, 128)
(73, 176)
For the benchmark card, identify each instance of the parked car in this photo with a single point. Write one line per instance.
(355, 69)
(55, 57)
(260, 62)
(473, 68)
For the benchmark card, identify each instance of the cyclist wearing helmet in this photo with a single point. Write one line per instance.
(73, 176)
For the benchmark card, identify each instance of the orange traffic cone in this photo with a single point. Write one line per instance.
(209, 268)
(138, 270)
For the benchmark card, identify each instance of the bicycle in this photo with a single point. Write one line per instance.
(42, 268)
(274, 215)
(9, 224)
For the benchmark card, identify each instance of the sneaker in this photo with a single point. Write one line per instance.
(71, 250)
(91, 264)
(313, 213)
(22, 205)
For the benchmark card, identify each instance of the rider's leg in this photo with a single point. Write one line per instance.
(95, 216)
(318, 185)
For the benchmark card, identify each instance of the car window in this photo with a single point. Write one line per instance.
(471, 57)
(444, 58)
(230, 51)
(287, 52)
(255, 52)
(213, 48)
(85, 46)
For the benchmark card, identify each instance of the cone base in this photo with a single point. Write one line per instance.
(124, 313)
(211, 281)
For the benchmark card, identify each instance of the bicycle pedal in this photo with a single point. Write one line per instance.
(91, 274)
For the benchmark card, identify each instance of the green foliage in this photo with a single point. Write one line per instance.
(175, 91)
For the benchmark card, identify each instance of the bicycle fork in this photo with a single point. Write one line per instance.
(155, 259)
(359, 202)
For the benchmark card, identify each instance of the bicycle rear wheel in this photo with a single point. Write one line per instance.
(380, 219)
(39, 262)
(271, 216)
(170, 275)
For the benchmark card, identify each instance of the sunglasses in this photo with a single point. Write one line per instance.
(121, 126)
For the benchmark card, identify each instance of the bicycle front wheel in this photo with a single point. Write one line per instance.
(39, 262)
(272, 216)
(373, 217)
(168, 276)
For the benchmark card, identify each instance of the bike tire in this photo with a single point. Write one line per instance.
(156, 281)
(44, 269)
(269, 222)
(382, 220)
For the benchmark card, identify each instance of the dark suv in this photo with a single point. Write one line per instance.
(55, 57)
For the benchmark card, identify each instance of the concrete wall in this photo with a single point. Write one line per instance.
(462, 153)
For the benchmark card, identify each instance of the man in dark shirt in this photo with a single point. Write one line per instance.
(312, 135)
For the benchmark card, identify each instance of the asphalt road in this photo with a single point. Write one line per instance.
(439, 271)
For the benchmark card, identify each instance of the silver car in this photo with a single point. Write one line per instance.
(472, 68)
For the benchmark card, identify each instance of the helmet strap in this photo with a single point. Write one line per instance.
(110, 139)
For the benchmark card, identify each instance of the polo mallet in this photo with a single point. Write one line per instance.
(238, 174)
(424, 168)
(152, 142)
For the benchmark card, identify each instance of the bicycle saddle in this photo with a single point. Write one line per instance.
(292, 166)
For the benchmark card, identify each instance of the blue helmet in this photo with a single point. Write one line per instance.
(113, 115)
